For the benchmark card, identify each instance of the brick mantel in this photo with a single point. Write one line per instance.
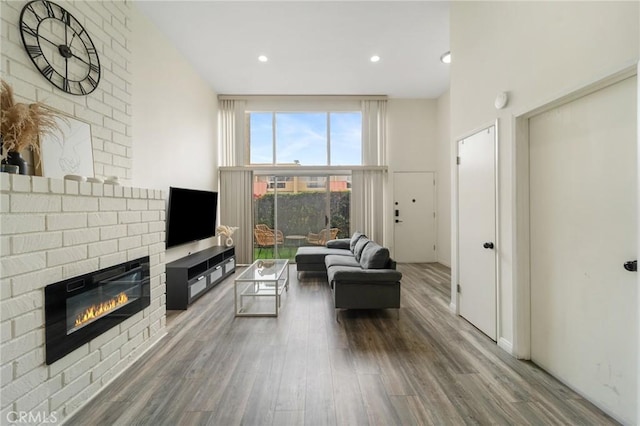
(50, 230)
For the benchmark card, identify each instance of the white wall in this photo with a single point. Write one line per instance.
(411, 135)
(443, 168)
(537, 51)
(175, 118)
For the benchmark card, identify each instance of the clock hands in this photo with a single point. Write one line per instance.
(64, 49)
(79, 58)
(74, 36)
(66, 35)
(70, 42)
(46, 39)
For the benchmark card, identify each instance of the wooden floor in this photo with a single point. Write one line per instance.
(304, 368)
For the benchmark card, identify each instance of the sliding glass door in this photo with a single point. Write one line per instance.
(291, 211)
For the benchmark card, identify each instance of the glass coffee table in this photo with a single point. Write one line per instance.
(258, 289)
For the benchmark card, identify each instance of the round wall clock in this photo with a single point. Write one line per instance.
(60, 47)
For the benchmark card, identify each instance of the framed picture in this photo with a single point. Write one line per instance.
(68, 150)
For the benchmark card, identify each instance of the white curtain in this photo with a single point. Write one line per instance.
(374, 133)
(369, 187)
(236, 195)
(232, 135)
(368, 196)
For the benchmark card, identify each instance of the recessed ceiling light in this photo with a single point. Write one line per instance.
(446, 58)
(263, 58)
(375, 58)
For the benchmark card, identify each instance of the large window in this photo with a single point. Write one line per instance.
(305, 138)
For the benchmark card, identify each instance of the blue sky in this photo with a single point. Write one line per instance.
(303, 137)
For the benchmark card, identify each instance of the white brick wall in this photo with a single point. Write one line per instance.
(107, 108)
(52, 229)
(50, 232)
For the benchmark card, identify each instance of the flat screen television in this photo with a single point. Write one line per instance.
(191, 215)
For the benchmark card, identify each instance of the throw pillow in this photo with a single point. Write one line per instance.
(374, 256)
(354, 239)
(362, 242)
(341, 243)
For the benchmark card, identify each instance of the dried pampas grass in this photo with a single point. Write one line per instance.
(23, 124)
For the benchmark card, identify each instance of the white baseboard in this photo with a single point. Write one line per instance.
(453, 308)
(505, 345)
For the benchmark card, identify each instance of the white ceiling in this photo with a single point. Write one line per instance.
(314, 47)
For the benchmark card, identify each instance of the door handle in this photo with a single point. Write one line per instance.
(488, 245)
(631, 266)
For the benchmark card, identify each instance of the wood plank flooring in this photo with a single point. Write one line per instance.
(429, 367)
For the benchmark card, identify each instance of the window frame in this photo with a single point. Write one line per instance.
(274, 163)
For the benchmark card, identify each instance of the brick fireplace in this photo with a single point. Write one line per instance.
(51, 231)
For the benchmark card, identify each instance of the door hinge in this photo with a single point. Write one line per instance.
(458, 288)
(458, 161)
(434, 247)
(434, 214)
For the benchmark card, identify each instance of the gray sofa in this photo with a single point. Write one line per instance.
(360, 272)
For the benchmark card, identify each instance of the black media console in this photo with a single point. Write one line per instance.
(192, 276)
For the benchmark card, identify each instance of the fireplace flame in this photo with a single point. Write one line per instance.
(95, 311)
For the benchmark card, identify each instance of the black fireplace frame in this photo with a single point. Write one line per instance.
(58, 342)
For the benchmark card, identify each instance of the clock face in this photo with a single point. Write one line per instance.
(60, 47)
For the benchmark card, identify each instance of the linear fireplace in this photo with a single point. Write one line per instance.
(79, 309)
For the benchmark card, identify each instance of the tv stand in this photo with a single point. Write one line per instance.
(190, 277)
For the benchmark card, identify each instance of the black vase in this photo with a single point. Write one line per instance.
(16, 159)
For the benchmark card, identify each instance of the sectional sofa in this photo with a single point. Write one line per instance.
(360, 272)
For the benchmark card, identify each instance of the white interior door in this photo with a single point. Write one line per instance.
(414, 217)
(583, 189)
(477, 230)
